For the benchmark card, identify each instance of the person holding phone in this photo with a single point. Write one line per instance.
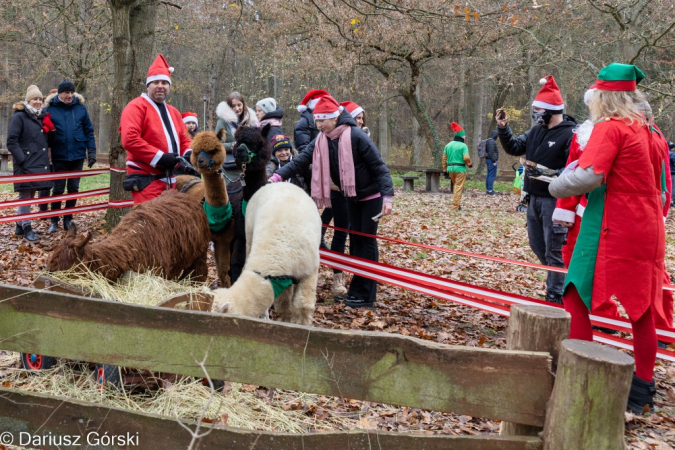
(546, 144)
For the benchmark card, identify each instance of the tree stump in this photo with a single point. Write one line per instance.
(586, 410)
(537, 329)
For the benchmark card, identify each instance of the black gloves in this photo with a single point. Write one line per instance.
(533, 171)
(92, 161)
(168, 161)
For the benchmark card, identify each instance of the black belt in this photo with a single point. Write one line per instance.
(456, 165)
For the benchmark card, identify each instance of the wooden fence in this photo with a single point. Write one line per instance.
(513, 385)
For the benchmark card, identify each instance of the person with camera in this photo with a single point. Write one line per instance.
(545, 147)
(154, 136)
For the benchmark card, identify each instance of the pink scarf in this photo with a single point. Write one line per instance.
(272, 122)
(321, 166)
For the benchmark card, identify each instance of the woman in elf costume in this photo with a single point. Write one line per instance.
(621, 244)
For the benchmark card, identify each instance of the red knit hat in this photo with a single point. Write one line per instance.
(327, 108)
(353, 108)
(190, 117)
(159, 70)
(311, 98)
(457, 129)
(549, 96)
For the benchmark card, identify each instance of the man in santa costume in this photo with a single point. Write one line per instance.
(154, 136)
(545, 147)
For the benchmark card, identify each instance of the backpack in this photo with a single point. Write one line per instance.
(482, 148)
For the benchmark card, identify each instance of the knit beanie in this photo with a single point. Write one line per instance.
(268, 105)
(66, 86)
(33, 92)
(280, 141)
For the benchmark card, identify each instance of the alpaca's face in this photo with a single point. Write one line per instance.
(208, 153)
(69, 252)
(252, 147)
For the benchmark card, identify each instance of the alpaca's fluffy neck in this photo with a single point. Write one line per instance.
(215, 191)
(255, 179)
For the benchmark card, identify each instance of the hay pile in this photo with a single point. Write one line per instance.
(242, 406)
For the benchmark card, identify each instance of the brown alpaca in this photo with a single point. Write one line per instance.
(169, 233)
(208, 156)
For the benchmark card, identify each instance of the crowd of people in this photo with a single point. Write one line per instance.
(573, 171)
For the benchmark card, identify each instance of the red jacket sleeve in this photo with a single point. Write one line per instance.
(131, 128)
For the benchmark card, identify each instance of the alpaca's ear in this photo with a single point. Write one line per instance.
(72, 231)
(81, 241)
(221, 134)
(224, 308)
(266, 130)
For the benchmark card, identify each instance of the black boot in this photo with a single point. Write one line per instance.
(29, 234)
(18, 231)
(554, 298)
(54, 227)
(66, 222)
(353, 302)
(641, 395)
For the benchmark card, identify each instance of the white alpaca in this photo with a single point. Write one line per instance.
(283, 234)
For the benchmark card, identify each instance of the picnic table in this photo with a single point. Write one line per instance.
(432, 175)
(4, 160)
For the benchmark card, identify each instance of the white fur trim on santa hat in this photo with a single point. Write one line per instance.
(588, 95)
(190, 119)
(356, 112)
(543, 81)
(325, 116)
(544, 105)
(158, 77)
(171, 69)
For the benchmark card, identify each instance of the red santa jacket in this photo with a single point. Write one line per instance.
(146, 139)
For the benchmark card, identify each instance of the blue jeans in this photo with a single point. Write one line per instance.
(546, 240)
(491, 174)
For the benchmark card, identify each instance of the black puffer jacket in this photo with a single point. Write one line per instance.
(539, 144)
(274, 164)
(274, 129)
(305, 131)
(491, 146)
(371, 173)
(27, 142)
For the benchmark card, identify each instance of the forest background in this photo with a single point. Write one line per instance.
(414, 65)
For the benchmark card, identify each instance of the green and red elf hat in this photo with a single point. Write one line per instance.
(455, 128)
(619, 77)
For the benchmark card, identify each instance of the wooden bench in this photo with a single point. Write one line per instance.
(433, 179)
(4, 160)
(409, 183)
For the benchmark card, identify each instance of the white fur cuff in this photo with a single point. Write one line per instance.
(564, 215)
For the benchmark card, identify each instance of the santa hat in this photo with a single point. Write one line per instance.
(159, 70)
(458, 130)
(619, 77)
(549, 95)
(352, 108)
(327, 108)
(190, 117)
(589, 94)
(311, 99)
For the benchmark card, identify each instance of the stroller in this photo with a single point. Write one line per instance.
(518, 187)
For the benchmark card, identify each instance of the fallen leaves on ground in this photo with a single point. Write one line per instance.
(487, 225)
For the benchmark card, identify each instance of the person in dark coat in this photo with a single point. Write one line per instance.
(73, 143)
(27, 141)
(267, 112)
(546, 146)
(343, 154)
(491, 161)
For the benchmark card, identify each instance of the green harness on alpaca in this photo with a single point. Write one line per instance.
(280, 282)
(218, 216)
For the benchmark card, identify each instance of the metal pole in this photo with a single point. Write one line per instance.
(204, 126)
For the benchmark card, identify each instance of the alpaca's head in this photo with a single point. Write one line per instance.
(208, 153)
(70, 251)
(252, 147)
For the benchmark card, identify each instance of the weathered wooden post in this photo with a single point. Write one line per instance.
(586, 410)
(537, 329)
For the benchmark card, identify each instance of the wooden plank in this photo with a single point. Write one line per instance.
(378, 367)
(29, 413)
(55, 285)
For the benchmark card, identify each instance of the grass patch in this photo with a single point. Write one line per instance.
(86, 183)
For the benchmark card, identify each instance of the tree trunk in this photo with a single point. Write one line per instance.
(383, 132)
(418, 139)
(587, 407)
(133, 24)
(536, 329)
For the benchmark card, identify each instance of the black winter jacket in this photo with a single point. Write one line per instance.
(491, 150)
(305, 131)
(274, 130)
(371, 173)
(539, 144)
(27, 142)
(74, 135)
(274, 164)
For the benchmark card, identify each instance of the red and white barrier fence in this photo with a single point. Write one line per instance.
(485, 299)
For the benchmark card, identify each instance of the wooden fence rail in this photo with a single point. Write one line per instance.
(510, 385)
